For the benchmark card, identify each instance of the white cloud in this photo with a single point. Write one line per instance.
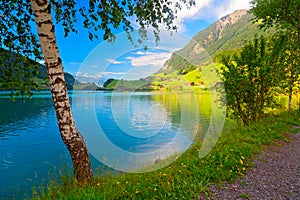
(94, 66)
(140, 53)
(150, 59)
(78, 73)
(42, 62)
(113, 61)
(209, 10)
(113, 73)
(86, 75)
(97, 75)
(194, 11)
(206, 10)
(75, 63)
(227, 7)
(140, 72)
(190, 13)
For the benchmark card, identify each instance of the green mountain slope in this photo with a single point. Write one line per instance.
(227, 34)
(10, 74)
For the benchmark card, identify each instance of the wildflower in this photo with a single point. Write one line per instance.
(241, 161)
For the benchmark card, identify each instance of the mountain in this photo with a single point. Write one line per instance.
(8, 74)
(226, 34)
(87, 79)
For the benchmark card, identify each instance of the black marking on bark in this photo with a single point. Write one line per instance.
(58, 80)
(48, 21)
(43, 35)
(61, 98)
(66, 123)
(59, 60)
(56, 64)
(52, 29)
(56, 74)
(45, 10)
(41, 2)
(48, 9)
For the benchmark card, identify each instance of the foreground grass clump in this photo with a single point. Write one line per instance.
(189, 176)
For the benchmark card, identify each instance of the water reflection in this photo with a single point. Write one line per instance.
(30, 145)
(19, 114)
(149, 126)
(134, 129)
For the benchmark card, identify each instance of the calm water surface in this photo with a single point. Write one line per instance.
(32, 152)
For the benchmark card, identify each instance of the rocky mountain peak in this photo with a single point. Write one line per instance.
(217, 30)
(229, 20)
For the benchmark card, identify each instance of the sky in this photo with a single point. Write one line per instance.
(99, 60)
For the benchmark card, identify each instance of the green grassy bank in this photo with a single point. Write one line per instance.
(189, 176)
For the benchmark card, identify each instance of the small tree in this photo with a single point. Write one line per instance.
(249, 79)
(17, 36)
(289, 59)
(285, 16)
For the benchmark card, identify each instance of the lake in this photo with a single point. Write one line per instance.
(124, 131)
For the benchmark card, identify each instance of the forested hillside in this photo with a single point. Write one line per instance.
(9, 73)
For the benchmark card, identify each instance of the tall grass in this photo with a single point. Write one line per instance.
(189, 176)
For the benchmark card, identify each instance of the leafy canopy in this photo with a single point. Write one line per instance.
(98, 17)
(284, 14)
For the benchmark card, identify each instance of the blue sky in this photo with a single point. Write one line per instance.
(99, 59)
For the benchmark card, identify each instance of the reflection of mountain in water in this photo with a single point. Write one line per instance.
(130, 130)
(188, 110)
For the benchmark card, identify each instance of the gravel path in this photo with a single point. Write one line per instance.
(275, 175)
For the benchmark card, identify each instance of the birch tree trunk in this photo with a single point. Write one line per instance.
(69, 133)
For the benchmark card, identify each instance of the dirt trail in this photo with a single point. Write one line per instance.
(274, 175)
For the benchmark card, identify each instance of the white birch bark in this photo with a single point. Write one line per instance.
(69, 133)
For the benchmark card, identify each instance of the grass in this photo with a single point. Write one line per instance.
(175, 81)
(199, 77)
(245, 196)
(189, 176)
